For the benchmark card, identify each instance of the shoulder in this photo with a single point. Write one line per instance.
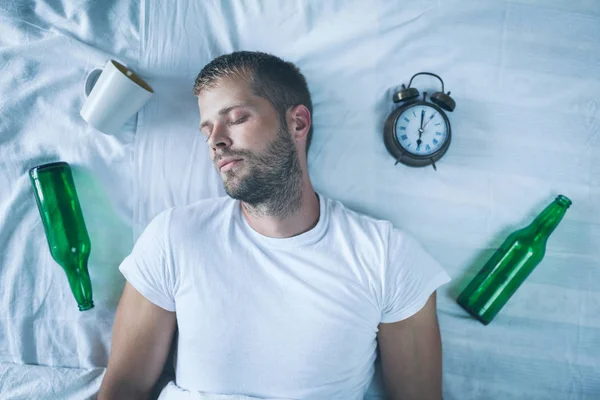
(357, 225)
(182, 219)
(203, 210)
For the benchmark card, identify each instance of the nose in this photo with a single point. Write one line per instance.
(219, 137)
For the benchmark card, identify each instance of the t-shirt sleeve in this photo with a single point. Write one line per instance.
(148, 268)
(411, 276)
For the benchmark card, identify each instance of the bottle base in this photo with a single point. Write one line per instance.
(478, 317)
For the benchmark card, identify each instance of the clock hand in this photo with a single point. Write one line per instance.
(430, 118)
(420, 129)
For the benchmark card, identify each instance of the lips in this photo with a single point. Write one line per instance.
(226, 161)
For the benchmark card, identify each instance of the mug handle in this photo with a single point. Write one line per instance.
(91, 80)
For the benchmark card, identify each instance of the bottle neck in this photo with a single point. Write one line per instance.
(548, 220)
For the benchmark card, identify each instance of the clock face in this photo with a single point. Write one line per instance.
(421, 130)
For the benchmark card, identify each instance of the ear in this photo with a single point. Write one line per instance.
(299, 122)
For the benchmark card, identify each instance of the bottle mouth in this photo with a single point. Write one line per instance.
(564, 200)
(86, 306)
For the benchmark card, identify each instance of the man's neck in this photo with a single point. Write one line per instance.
(302, 220)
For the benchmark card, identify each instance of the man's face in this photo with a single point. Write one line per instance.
(250, 149)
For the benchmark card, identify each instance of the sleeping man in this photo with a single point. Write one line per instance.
(276, 291)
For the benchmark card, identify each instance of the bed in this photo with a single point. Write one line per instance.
(525, 75)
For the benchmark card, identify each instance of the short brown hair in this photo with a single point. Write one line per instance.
(269, 77)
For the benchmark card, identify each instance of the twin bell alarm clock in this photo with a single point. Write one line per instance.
(418, 132)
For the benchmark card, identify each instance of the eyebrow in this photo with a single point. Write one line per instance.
(225, 111)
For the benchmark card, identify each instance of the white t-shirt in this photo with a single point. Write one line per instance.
(293, 318)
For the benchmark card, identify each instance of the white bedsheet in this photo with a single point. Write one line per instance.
(525, 75)
(46, 50)
(26, 382)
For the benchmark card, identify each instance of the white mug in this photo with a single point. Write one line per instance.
(114, 94)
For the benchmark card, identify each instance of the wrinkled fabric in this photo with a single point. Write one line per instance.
(524, 75)
(48, 348)
(19, 381)
(174, 392)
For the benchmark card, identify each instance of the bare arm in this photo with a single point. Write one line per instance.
(141, 340)
(411, 355)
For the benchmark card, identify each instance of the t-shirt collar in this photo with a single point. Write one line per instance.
(311, 236)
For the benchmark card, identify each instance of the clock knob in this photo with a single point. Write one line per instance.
(405, 94)
(443, 101)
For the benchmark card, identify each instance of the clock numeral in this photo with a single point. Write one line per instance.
(403, 137)
(435, 141)
(406, 119)
(427, 147)
(439, 133)
(414, 115)
(402, 128)
(438, 124)
(408, 145)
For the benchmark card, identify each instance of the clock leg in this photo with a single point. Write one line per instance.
(433, 163)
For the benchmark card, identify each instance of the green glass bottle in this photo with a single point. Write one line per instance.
(65, 229)
(511, 264)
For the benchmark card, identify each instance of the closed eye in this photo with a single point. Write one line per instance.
(239, 121)
(236, 122)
